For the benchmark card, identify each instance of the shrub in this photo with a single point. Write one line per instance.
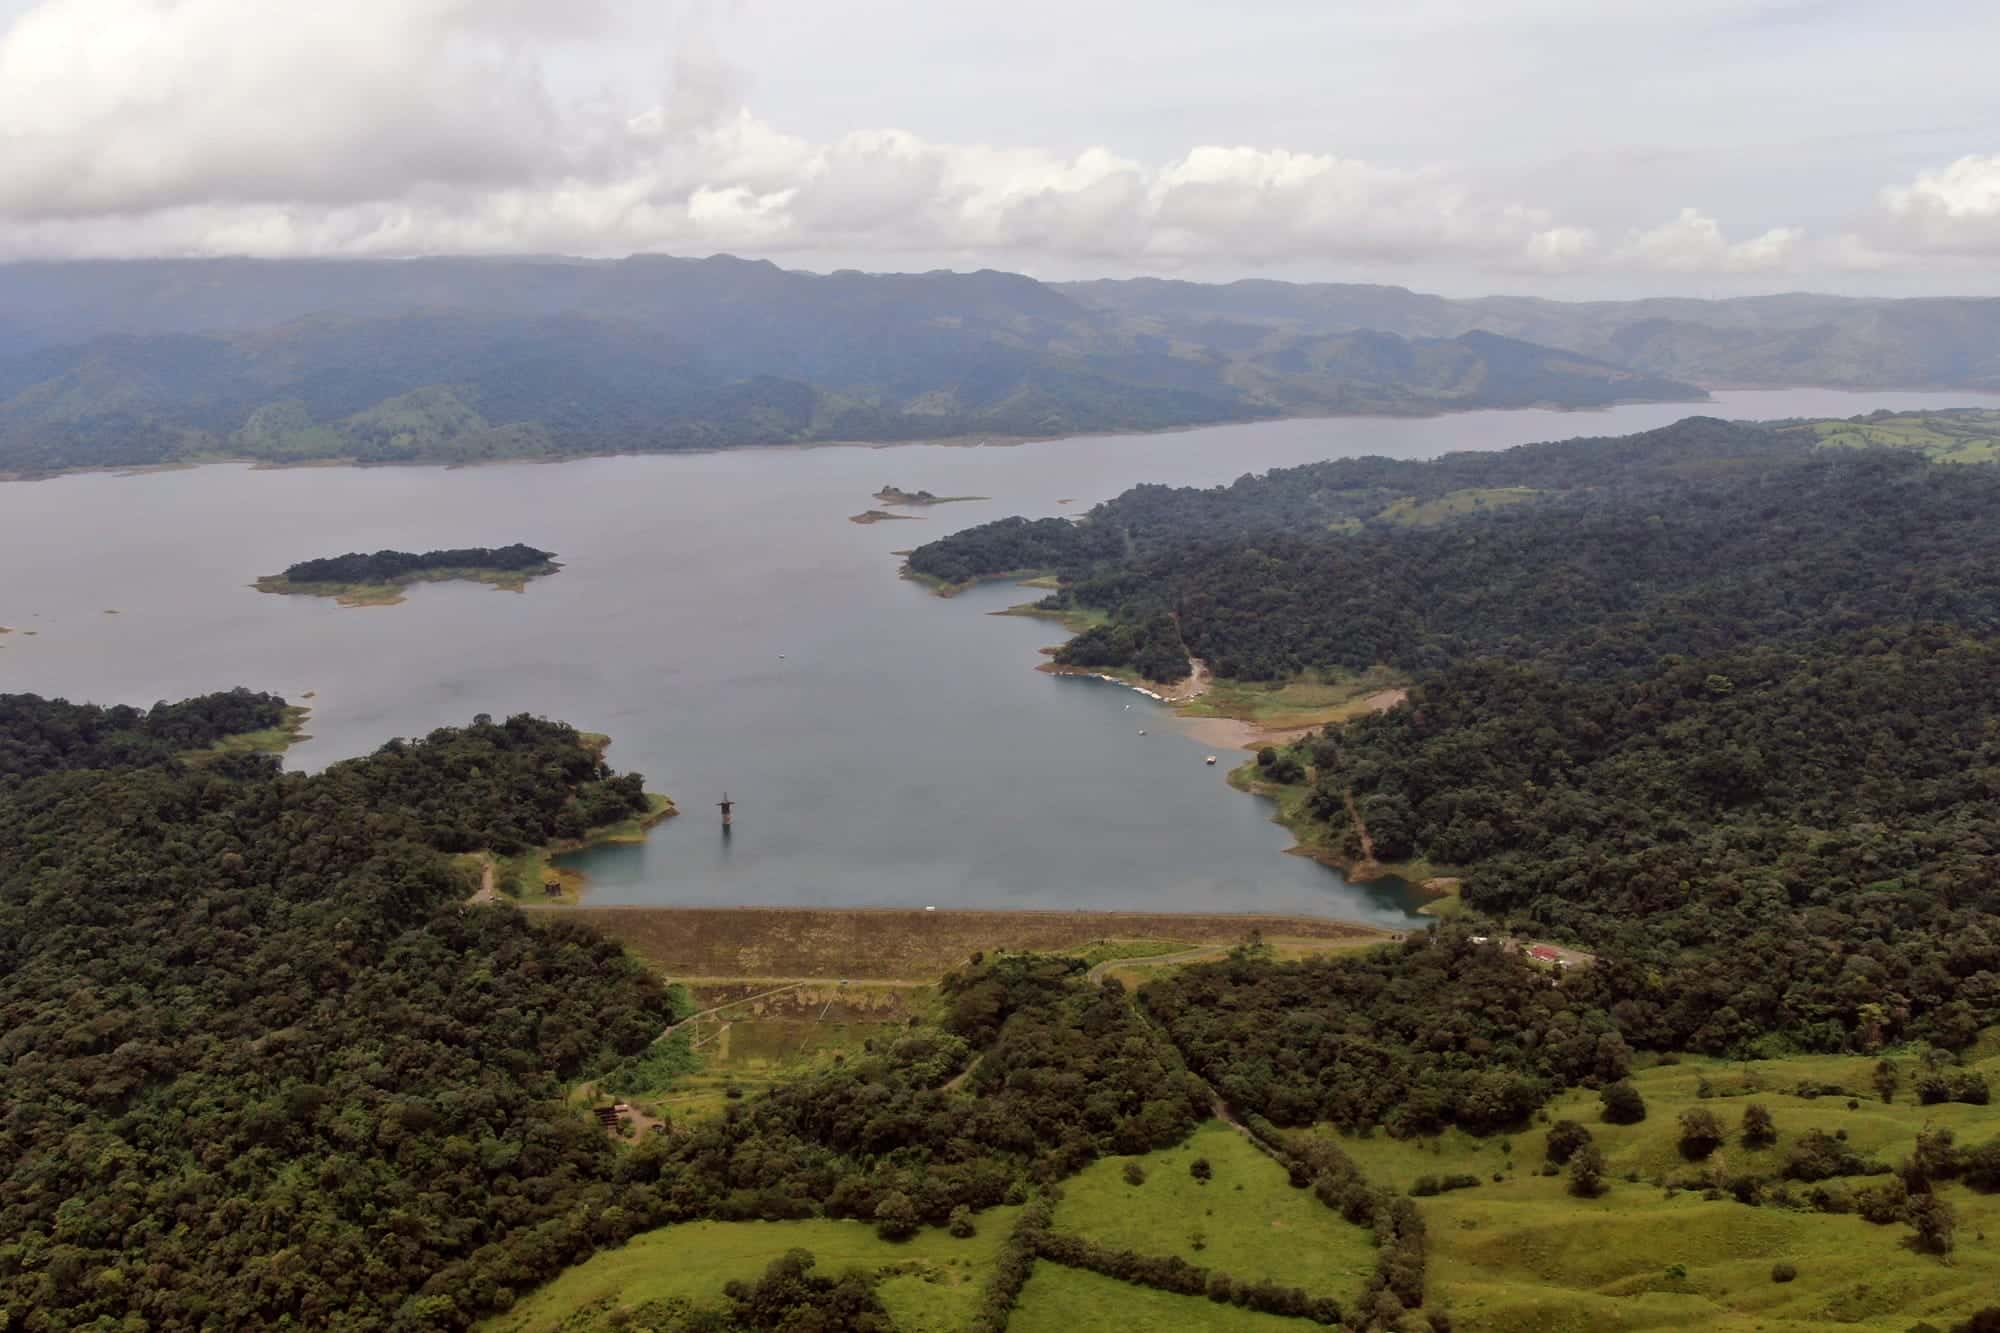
(1565, 1137)
(1134, 1174)
(1622, 1104)
(1759, 1130)
(1783, 1272)
(1201, 1170)
(961, 1223)
(1586, 1172)
(1701, 1133)
(1424, 1187)
(896, 1217)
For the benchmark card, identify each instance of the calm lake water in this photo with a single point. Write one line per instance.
(722, 620)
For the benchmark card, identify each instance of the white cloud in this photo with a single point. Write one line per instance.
(388, 127)
(1694, 243)
(1954, 209)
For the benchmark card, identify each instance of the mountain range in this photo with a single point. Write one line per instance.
(142, 362)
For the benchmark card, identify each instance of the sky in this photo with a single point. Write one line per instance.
(1564, 148)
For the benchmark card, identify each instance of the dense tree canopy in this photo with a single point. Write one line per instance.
(257, 1062)
(39, 736)
(389, 566)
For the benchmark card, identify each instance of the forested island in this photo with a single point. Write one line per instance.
(357, 579)
(891, 495)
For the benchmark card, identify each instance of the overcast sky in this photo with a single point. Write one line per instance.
(1560, 147)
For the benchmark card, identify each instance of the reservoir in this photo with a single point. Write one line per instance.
(721, 619)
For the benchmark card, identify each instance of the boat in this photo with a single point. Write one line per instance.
(1142, 731)
(1209, 760)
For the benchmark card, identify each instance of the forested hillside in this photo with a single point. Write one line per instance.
(1709, 699)
(457, 360)
(40, 736)
(258, 1065)
(1796, 338)
(1693, 538)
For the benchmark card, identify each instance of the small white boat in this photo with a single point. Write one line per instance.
(1142, 731)
(1209, 760)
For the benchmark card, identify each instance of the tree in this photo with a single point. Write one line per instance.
(1759, 1130)
(1701, 1133)
(1886, 1079)
(1201, 1170)
(1934, 1223)
(1586, 1172)
(896, 1217)
(961, 1224)
(1565, 1137)
(1622, 1104)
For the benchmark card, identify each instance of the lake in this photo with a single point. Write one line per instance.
(722, 620)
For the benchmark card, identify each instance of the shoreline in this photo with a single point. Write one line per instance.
(943, 442)
(1440, 891)
(971, 441)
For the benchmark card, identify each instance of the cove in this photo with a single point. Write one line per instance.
(721, 619)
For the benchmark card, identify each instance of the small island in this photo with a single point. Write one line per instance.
(880, 516)
(357, 579)
(891, 495)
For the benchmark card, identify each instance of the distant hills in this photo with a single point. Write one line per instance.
(120, 364)
(1755, 341)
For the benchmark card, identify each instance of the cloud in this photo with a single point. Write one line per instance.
(1694, 243)
(1954, 209)
(393, 127)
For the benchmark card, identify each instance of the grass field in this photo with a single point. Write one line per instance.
(1410, 512)
(748, 1051)
(933, 1290)
(1523, 1254)
(1069, 1300)
(1304, 702)
(1971, 436)
(1250, 1221)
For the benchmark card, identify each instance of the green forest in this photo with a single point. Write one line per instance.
(1715, 701)
(392, 566)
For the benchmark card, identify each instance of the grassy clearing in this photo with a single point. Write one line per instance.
(270, 740)
(1068, 1300)
(1410, 512)
(751, 1045)
(1522, 1253)
(1971, 436)
(1248, 1220)
(1075, 619)
(1307, 701)
(933, 1290)
(944, 589)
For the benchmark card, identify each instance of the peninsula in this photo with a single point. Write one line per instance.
(356, 579)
